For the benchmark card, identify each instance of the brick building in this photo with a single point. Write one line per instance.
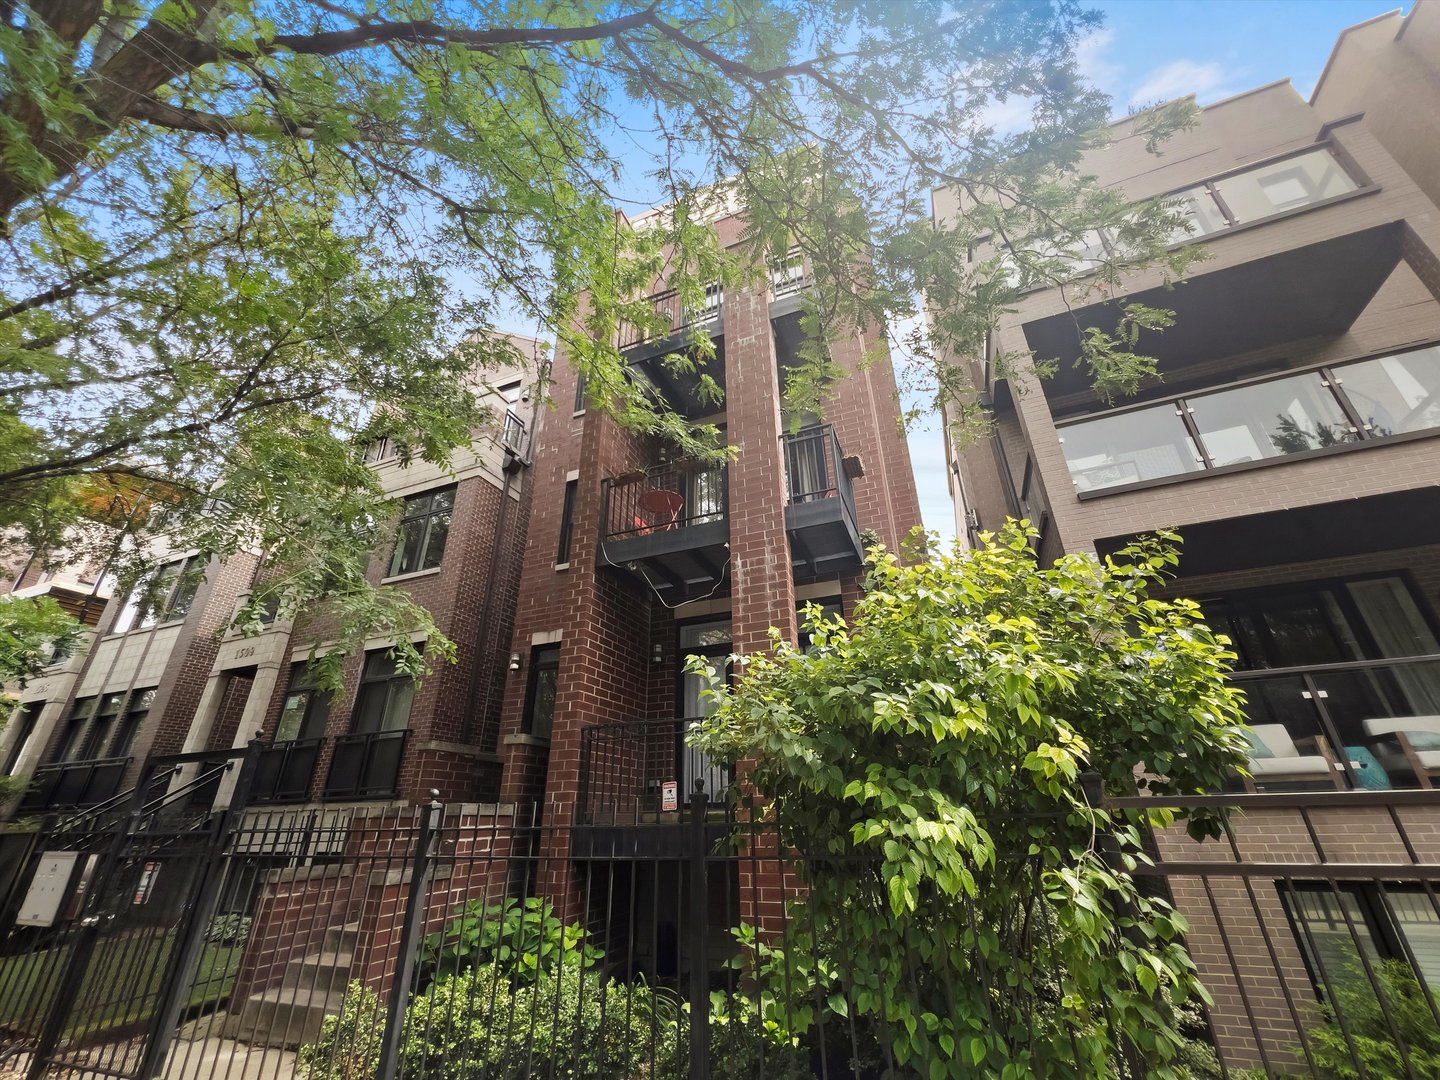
(1291, 440)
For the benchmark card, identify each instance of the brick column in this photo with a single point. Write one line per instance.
(762, 582)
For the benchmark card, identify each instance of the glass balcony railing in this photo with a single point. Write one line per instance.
(1272, 418)
(1371, 724)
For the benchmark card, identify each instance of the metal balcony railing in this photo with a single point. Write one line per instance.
(788, 278)
(664, 497)
(73, 784)
(284, 771)
(624, 769)
(815, 467)
(365, 765)
(675, 315)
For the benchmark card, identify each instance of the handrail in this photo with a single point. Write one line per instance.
(1250, 674)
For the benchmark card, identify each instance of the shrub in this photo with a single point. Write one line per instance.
(519, 937)
(570, 1024)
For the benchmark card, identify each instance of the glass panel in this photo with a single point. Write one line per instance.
(292, 715)
(1140, 445)
(1395, 394)
(190, 574)
(1204, 214)
(1283, 185)
(435, 542)
(705, 635)
(1372, 707)
(1289, 739)
(407, 546)
(397, 705)
(706, 495)
(1304, 628)
(370, 709)
(1270, 419)
(1324, 921)
(1392, 617)
(542, 702)
(1415, 918)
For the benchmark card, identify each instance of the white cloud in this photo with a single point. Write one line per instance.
(1092, 57)
(1181, 77)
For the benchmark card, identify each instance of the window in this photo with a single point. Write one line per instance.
(424, 525)
(136, 714)
(386, 694)
(1336, 925)
(1278, 186)
(567, 522)
(306, 709)
(23, 722)
(580, 399)
(540, 695)
(511, 391)
(379, 451)
(1126, 448)
(102, 731)
(163, 596)
(71, 741)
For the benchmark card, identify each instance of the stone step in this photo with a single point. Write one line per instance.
(341, 939)
(283, 1016)
(322, 970)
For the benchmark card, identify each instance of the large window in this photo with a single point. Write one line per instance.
(1346, 404)
(1341, 927)
(386, 694)
(137, 711)
(424, 525)
(72, 739)
(163, 596)
(22, 723)
(539, 716)
(102, 729)
(306, 709)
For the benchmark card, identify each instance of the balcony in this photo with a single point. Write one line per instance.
(73, 784)
(649, 353)
(1324, 409)
(668, 525)
(284, 771)
(624, 771)
(1369, 724)
(366, 765)
(820, 504)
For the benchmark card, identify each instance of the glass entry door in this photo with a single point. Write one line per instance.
(712, 641)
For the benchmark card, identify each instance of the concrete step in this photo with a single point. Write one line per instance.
(341, 939)
(320, 970)
(283, 1016)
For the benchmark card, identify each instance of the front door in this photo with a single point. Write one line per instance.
(710, 639)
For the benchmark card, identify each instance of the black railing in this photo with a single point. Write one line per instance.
(625, 769)
(365, 765)
(284, 771)
(665, 497)
(674, 314)
(74, 784)
(815, 467)
(1368, 724)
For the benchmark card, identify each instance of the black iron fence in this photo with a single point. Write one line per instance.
(481, 940)
(285, 770)
(815, 467)
(73, 784)
(663, 498)
(634, 770)
(365, 765)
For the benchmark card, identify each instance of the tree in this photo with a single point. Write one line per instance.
(247, 237)
(943, 733)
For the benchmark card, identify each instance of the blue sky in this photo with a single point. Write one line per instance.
(1152, 50)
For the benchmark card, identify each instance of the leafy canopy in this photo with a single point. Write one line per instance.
(944, 733)
(244, 238)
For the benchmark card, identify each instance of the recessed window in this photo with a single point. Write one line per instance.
(102, 730)
(424, 526)
(72, 740)
(137, 711)
(540, 695)
(163, 596)
(305, 710)
(580, 399)
(567, 522)
(385, 697)
(24, 722)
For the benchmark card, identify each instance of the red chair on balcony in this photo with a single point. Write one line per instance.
(661, 509)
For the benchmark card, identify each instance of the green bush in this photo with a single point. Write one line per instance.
(231, 928)
(1373, 1021)
(519, 937)
(571, 1024)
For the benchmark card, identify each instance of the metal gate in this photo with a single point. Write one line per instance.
(105, 929)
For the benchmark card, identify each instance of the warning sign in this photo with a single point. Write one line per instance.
(669, 796)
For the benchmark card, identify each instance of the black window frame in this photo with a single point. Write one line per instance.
(380, 674)
(132, 719)
(421, 508)
(567, 523)
(315, 716)
(72, 733)
(543, 658)
(104, 724)
(155, 601)
(581, 402)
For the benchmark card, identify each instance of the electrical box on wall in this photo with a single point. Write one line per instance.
(49, 889)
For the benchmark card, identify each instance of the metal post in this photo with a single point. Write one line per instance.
(410, 936)
(195, 920)
(699, 909)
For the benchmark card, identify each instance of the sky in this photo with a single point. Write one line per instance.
(1155, 50)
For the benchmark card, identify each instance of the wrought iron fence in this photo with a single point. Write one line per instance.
(285, 770)
(625, 769)
(365, 765)
(74, 784)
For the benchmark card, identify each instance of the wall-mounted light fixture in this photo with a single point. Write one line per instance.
(657, 654)
(514, 661)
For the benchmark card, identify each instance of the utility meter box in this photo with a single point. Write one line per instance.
(49, 889)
